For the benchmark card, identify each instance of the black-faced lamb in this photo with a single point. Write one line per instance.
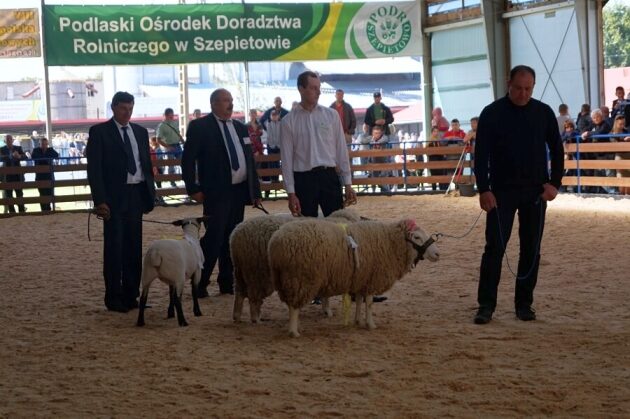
(173, 261)
(311, 257)
(248, 247)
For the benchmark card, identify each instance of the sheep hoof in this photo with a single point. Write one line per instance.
(198, 313)
(140, 323)
(170, 315)
(371, 326)
(293, 334)
(183, 324)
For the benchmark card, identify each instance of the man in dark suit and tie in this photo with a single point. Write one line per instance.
(218, 170)
(121, 181)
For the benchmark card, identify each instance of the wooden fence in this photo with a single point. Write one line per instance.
(407, 170)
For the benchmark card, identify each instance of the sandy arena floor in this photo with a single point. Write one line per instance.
(63, 355)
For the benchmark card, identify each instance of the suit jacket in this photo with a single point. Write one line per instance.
(107, 165)
(8, 161)
(370, 118)
(206, 161)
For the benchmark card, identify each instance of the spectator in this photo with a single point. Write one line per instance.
(273, 143)
(618, 104)
(156, 155)
(219, 172)
(599, 127)
(563, 115)
(619, 127)
(455, 135)
(121, 181)
(346, 114)
(255, 131)
(584, 122)
(439, 120)
(277, 105)
(11, 156)
(516, 133)
(43, 156)
(606, 114)
(378, 114)
(435, 140)
(168, 136)
(380, 141)
(364, 140)
(313, 149)
(196, 114)
(569, 132)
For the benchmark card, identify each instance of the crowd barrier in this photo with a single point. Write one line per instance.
(402, 168)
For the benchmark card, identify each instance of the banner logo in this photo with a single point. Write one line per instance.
(388, 29)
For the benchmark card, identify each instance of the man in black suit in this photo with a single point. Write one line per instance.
(121, 181)
(218, 170)
(43, 156)
(11, 156)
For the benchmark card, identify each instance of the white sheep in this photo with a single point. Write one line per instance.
(173, 261)
(248, 247)
(310, 257)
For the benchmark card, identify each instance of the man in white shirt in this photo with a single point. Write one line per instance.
(314, 154)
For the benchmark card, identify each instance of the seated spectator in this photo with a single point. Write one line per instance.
(380, 141)
(569, 133)
(599, 128)
(583, 121)
(619, 127)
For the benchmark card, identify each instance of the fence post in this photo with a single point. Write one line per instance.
(405, 166)
(577, 164)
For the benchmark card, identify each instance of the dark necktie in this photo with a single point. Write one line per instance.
(131, 162)
(230, 146)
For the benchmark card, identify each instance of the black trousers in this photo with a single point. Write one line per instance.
(45, 192)
(8, 193)
(319, 187)
(122, 251)
(531, 217)
(225, 214)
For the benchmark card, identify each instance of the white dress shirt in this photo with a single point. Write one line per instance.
(239, 175)
(139, 175)
(311, 139)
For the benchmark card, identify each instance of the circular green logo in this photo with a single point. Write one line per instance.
(388, 29)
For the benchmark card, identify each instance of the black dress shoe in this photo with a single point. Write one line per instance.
(483, 316)
(378, 298)
(117, 307)
(526, 314)
(132, 304)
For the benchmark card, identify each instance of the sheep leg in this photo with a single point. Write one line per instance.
(357, 314)
(326, 307)
(195, 297)
(180, 313)
(294, 314)
(254, 310)
(141, 306)
(368, 313)
(237, 310)
(171, 302)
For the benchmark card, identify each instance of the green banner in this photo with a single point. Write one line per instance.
(174, 34)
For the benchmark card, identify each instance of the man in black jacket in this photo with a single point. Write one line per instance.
(43, 156)
(513, 136)
(379, 114)
(11, 156)
(121, 181)
(219, 171)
